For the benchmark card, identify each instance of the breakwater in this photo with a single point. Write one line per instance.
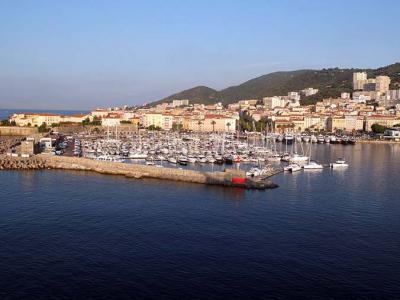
(135, 171)
(7, 142)
(15, 163)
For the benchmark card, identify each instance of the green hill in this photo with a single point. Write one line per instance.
(329, 82)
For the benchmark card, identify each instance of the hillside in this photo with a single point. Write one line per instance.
(330, 82)
(198, 94)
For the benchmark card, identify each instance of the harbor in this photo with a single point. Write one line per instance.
(257, 155)
(221, 159)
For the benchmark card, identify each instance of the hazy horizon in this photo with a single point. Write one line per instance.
(79, 56)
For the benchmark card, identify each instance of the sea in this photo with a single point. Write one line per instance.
(5, 113)
(323, 234)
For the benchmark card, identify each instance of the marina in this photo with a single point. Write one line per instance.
(256, 154)
(215, 158)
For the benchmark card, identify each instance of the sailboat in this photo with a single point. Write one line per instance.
(312, 165)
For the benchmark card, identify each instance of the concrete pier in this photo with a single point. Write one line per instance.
(136, 171)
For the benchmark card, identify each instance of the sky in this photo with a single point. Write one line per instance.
(85, 54)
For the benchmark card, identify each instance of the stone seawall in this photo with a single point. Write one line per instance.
(132, 170)
(17, 131)
(139, 171)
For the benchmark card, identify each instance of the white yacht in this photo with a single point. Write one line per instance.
(192, 159)
(339, 163)
(133, 155)
(297, 157)
(292, 168)
(172, 160)
(312, 165)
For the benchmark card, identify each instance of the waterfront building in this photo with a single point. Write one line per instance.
(74, 118)
(392, 134)
(112, 119)
(33, 119)
(384, 120)
(152, 119)
(219, 123)
(313, 121)
(346, 123)
(99, 113)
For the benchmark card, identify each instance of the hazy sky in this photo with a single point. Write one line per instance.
(83, 54)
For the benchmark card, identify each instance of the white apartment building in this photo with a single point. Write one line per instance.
(182, 102)
(382, 84)
(309, 91)
(359, 78)
(272, 102)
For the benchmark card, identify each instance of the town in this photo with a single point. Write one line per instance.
(372, 106)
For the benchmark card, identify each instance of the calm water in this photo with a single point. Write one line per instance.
(327, 234)
(5, 113)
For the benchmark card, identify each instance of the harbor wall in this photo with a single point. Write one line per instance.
(44, 161)
(142, 171)
(17, 131)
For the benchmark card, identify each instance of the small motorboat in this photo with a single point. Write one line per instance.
(339, 163)
(292, 168)
(312, 165)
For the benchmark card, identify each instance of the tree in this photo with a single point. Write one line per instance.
(125, 122)
(5, 122)
(246, 121)
(86, 121)
(213, 124)
(177, 126)
(228, 125)
(153, 127)
(96, 121)
(199, 123)
(377, 128)
(96, 130)
(396, 125)
(43, 128)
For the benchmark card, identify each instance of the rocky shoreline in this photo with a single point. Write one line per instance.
(15, 163)
(6, 143)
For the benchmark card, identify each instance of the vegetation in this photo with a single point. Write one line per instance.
(376, 128)
(6, 122)
(329, 82)
(153, 127)
(177, 126)
(96, 121)
(43, 128)
(247, 123)
(213, 124)
(125, 122)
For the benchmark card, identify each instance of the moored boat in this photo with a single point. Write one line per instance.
(339, 163)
